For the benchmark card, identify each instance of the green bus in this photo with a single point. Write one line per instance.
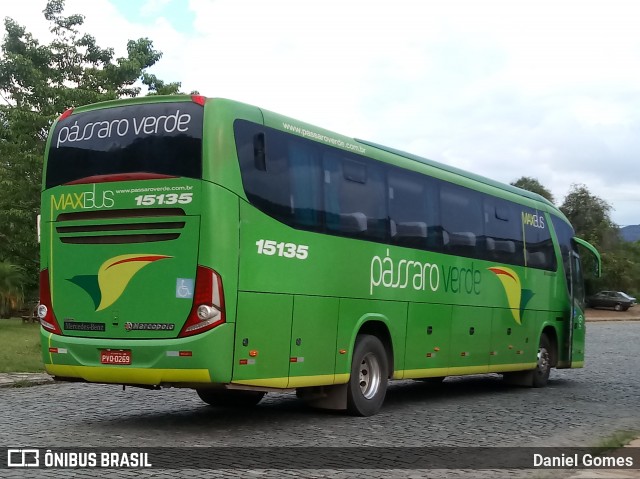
(204, 243)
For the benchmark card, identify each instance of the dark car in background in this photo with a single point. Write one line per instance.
(611, 299)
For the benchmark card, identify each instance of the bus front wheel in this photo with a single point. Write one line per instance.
(367, 385)
(539, 376)
(543, 363)
(232, 398)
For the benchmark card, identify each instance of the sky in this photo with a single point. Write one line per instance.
(548, 89)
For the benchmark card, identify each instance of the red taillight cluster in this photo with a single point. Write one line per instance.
(199, 99)
(207, 311)
(67, 113)
(45, 309)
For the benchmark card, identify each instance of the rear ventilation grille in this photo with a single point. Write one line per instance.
(120, 226)
(120, 239)
(117, 214)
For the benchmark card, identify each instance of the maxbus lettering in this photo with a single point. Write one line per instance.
(85, 200)
(537, 221)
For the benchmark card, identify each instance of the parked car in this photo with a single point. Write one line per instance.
(611, 299)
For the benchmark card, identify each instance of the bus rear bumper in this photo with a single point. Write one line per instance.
(181, 362)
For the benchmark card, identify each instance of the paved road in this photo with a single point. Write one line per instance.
(578, 408)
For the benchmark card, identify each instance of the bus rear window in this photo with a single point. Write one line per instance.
(158, 138)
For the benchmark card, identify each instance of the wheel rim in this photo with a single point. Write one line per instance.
(618, 307)
(370, 375)
(543, 361)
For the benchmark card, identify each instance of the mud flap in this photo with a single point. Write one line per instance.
(325, 397)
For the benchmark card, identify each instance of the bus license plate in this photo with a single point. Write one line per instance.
(121, 357)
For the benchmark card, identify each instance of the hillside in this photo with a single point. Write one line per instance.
(630, 233)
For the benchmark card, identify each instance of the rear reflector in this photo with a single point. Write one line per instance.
(49, 321)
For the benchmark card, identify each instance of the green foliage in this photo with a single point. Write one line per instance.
(37, 83)
(532, 184)
(11, 290)
(590, 216)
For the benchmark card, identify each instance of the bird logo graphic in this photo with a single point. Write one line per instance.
(113, 277)
(517, 298)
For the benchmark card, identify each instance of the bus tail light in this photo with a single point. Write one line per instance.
(199, 99)
(207, 311)
(67, 113)
(45, 309)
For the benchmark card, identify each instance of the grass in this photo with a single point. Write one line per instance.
(618, 439)
(19, 347)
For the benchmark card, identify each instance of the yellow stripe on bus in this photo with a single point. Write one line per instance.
(460, 371)
(129, 375)
(295, 381)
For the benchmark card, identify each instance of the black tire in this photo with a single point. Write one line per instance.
(543, 364)
(618, 307)
(231, 398)
(367, 385)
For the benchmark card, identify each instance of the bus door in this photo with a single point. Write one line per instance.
(576, 315)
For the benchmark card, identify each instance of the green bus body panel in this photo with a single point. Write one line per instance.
(219, 144)
(154, 361)
(470, 338)
(313, 348)
(578, 340)
(263, 332)
(294, 300)
(219, 246)
(428, 340)
(512, 343)
(354, 313)
(129, 281)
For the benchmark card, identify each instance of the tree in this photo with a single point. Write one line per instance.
(531, 184)
(37, 83)
(590, 217)
(11, 289)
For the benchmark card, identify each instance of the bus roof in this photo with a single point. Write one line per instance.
(466, 174)
(425, 161)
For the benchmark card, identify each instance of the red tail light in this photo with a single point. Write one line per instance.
(65, 114)
(199, 99)
(120, 177)
(207, 311)
(45, 309)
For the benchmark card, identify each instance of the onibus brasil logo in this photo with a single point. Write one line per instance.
(517, 298)
(113, 277)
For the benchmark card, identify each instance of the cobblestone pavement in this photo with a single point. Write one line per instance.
(578, 408)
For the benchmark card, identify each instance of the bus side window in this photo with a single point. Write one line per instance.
(412, 223)
(537, 238)
(564, 233)
(306, 184)
(354, 197)
(503, 231)
(462, 220)
(265, 170)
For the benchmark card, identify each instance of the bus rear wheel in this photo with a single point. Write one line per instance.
(367, 385)
(231, 398)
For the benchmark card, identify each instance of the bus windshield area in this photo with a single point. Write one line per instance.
(154, 138)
